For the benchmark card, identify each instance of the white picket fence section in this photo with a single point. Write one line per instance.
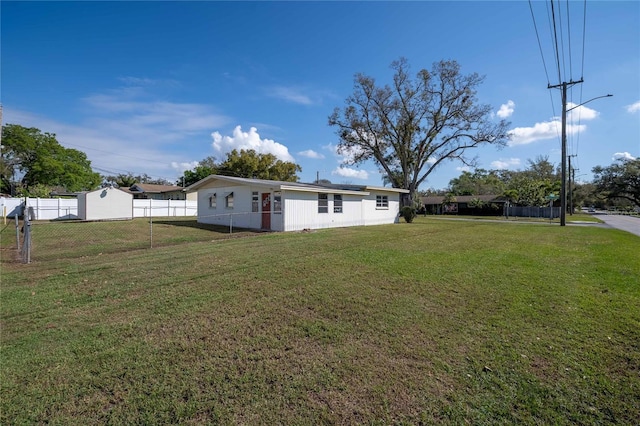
(67, 208)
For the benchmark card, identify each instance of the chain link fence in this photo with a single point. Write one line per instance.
(24, 240)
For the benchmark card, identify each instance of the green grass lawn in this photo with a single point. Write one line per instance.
(449, 322)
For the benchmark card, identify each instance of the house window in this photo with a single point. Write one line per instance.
(212, 201)
(255, 202)
(277, 202)
(323, 203)
(228, 200)
(382, 201)
(337, 203)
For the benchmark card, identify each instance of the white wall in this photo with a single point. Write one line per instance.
(301, 212)
(377, 216)
(240, 215)
(105, 203)
(299, 209)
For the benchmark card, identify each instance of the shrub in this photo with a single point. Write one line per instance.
(408, 213)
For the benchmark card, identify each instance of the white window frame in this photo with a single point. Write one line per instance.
(323, 203)
(382, 202)
(228, 200)
(337, 203)
(213, 201)
(277, 202)
(255, 202)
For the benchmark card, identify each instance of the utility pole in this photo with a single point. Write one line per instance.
(563, 187)
(572, 179)
(563, 184)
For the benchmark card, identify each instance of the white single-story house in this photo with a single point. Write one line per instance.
(292, 206)
(105, 204)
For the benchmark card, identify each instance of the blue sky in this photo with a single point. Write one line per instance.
(153, 87)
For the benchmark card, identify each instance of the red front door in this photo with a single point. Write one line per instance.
(266, 210)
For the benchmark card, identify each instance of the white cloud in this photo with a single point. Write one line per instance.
(351, 173)
(344, 155)
(463, 168)
(553, 128)
(289, 94)
(139, 81)
(540, 131)
(128, 130)
(623, 156)
(505, 163)
(309, 153)
(171, 116)
(634, 107)
(578, 113)
(249, 140)
(506, 110)
(181, 167)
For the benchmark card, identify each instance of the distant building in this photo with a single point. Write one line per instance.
(148, 191)
(463, 204)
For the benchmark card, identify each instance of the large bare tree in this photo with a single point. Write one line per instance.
(411, 127)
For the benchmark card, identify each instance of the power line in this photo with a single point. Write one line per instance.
(535, 27)
(555, 38)
(569, 42)
(584, 37)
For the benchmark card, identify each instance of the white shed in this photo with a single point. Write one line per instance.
(104, 204)
(292, 206)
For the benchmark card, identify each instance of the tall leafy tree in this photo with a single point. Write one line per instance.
(40, 160)
(480, 182)
(619, 180)
(250, 164)
(204, 168)
(413, 126)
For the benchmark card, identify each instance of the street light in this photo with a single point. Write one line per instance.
(586, 102)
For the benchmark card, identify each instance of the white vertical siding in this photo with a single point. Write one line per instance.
(299, 208)
(240, 216)
(301, 212)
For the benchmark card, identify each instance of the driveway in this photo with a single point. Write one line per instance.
(625, 223)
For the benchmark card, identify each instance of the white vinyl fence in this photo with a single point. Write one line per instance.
(164, 208)
(67, 208)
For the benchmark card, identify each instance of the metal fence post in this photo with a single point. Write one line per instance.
(26, 252)
(150, 231)
(17, 232)
(230, 223)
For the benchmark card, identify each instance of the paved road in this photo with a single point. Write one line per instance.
(625, 223)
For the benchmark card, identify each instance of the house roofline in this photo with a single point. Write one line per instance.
(294, 186)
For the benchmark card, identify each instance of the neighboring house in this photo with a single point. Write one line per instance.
(292, 206)
(104, 204)
(146, 191)
(463, 204)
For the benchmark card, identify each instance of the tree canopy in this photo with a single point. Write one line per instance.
(250, 164)
(619, 180)
(528, 187)
(246, 164)
(413, 126)
(480, 182)
(38, 160)
(129, 179)
(204, 168)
